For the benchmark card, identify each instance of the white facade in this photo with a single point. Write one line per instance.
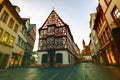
(66, 57)
(39, 62)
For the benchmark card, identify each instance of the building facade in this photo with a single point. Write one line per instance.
(86, 54)
(31, 36)
(95, 47)
(108, 32)
(56, 44)
(19, 48)
(10, 24)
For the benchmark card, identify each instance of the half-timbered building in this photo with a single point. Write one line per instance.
(56, 43)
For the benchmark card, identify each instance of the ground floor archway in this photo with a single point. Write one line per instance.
(59, 58)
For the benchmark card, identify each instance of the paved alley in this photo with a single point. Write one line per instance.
(83, 71)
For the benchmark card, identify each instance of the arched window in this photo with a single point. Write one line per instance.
(59, 58)
(44, 58)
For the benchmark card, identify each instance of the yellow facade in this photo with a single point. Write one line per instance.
(107, 9)
(111, 11)
(10, 23)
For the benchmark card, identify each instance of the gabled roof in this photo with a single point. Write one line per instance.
(53, 17)
(11, 9)
(31, 27)
(58, 21)
(25, 19)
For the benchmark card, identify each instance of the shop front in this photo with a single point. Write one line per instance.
(16, 59)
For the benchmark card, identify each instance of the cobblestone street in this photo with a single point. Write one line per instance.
(83, 71)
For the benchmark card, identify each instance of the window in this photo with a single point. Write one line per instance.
(1, 31)
(59, 41)
(4, 17)
(50, 40)
(56, 41)
(19, 40)
(43, 42)
(58, 30)
(44, 58)
(11, 22)
(108, 1)
(22, 30)
(44, 32)
(11, 41)
(16, 28)
(23, 43)
(5, 37)
(116, 13)
(50, 29)
(59, 58)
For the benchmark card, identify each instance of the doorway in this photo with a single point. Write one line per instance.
(51, 58)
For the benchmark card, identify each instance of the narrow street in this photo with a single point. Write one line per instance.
(83, 71)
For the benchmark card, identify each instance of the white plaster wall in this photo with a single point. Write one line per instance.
(40, 56)
(65, 56)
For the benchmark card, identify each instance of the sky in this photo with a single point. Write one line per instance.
(75, 13)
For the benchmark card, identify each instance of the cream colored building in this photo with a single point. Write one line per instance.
(111, 9)
(19, 48)
(10, 24)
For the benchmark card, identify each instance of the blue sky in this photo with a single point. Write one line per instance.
(76, 13)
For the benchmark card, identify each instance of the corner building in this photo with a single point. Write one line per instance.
(10, 24)
(56, 44)
(107, 26)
